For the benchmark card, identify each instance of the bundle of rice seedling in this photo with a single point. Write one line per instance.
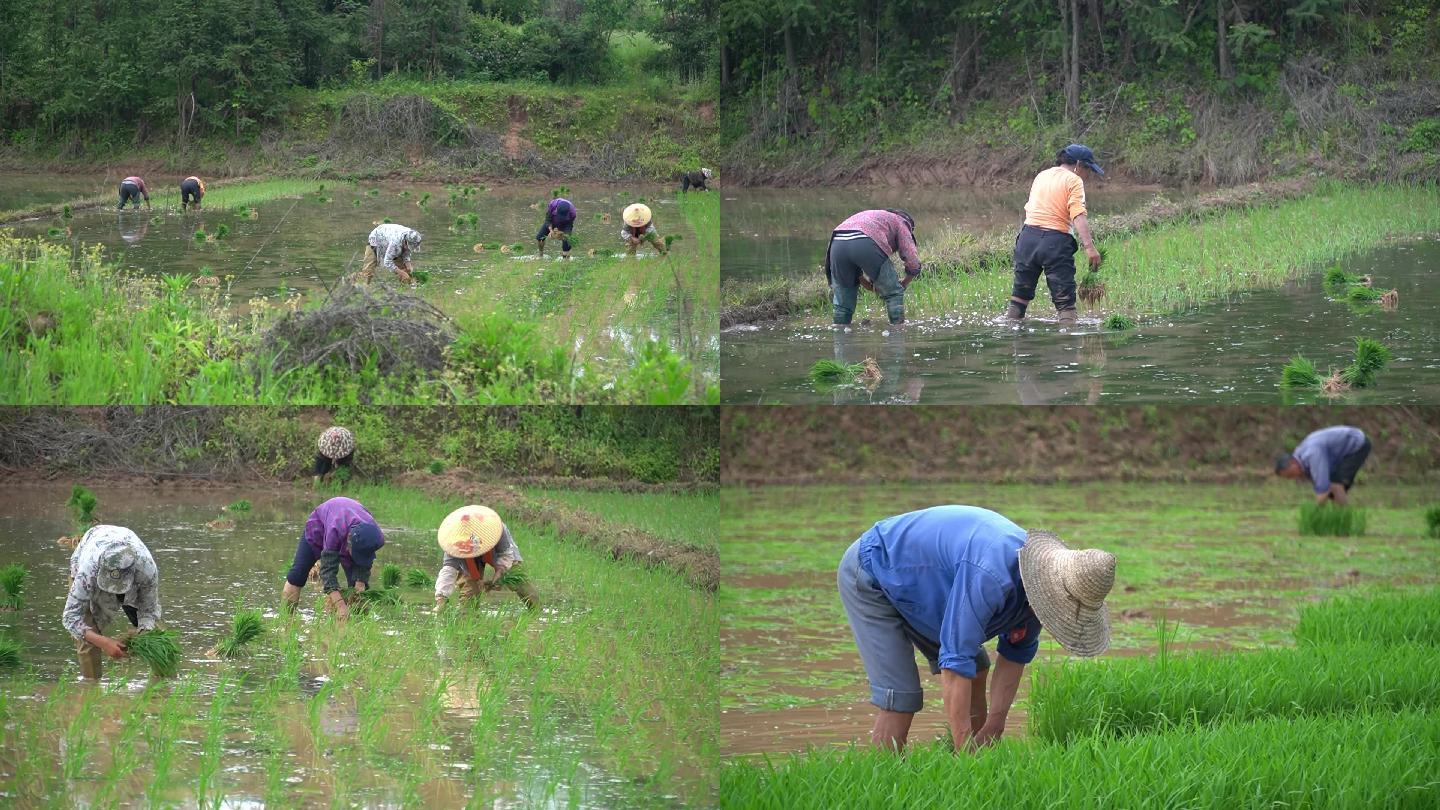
(158, 649)
(390, 575)
(1337, 280)
(831, 372)
(1299, 374)
(1432, 521)
(222, 230)
(419, 578)
(869, 372)
(1371, 357)
(200, 234)
(244, 628)
(12, 580)
(1118, 323)
(53, 232)
(506, 249)
(513, 578)
(1332, 520)
(1091, 288)
(1361, 294)
(478, 247)
(1390, 300)
(82, 505)
(420, 276)
(1334, 385)
(9, 652)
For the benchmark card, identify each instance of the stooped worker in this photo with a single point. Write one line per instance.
(946, 579)
(192, 190)
(111, 572)
(473, 537)
(390, 245)
(1329, 459)
(695, 180)
(133, 188)
(340, 533)
(337, 449)
(1056, 208)
(559, 221)
(859, 255)
(638, 228)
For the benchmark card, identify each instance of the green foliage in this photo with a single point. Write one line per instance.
(239, 506)
(1330, 519)
(390, 576)
(12, 582)
(82, 505)
(1119, 323)
(1299, 374)
(437, 467)
(1424, 136)
(1388, 620)
(418, 578)
(1371, 357)
(1432, 521)
(158, 649)
(245, 627)
(9, 652)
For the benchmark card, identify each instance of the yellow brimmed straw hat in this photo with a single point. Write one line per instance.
(1067, 590)
(470, 531)
(637, 215)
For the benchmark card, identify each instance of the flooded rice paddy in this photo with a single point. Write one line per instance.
(1229, 352)
(1225, 561)
(394, 708)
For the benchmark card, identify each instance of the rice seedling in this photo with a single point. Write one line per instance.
(54, 232)
(390, 576)
(374, 192)
(832, 372)
(1337, 281)
(386, 221)
(9, 652)
(1371, 357)
(418, 578)
(1329, 519)
(200, 235)
(1385, 620)
(238, 506)
(671, 239)
(158, 649)
(355, 203)
(492, 245)
(1432, 521)
(436, 467)
(1091, 289)
(424, 199)
(1119, 323)
(67, 212)
(245, 627)
(513, 578)
(420, 276)
(12, 581)
(518, 247)
(371, 596)
(1300, 374)
(222, 230)
(1362, 294)
(404, 192)
(82, 504)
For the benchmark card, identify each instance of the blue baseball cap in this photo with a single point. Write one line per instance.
(1084, 155)
(365, 540)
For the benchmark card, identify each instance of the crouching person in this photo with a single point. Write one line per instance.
(472, 538)
(111, 572)
(339, 534)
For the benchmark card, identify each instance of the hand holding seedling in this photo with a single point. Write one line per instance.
(107, 645)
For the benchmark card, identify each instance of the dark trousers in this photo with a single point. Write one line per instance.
(566, 229)
(695, 181)
(1345, 472)
(847, 260)
(128, 192)
(1040, 250)
(324, 465)
(189, 193)
(305, 559)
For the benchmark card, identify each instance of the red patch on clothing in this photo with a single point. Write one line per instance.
(1017, 635)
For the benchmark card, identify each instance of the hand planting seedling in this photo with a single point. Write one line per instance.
(12, 581)
(245, 628)
(156, 648)
(1331, 520)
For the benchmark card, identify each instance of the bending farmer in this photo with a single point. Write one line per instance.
(110, 571)
(559, 221)
(638, 228)
(133, 188)
(1056, 208)
(695, 180)
(946, 579)
(337, 449)
(340, 534)
(392, 246)
(472, 538)
(192, 189)
(1329, 459)
(859, 254)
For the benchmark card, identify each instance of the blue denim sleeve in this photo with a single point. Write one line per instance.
(975, 596)
(1027, 642)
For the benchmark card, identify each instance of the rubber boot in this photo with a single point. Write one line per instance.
(1067, 318)
(1014, 312)
(90, 662)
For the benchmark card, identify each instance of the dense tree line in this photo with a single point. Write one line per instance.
(179, 68)
(791, 59)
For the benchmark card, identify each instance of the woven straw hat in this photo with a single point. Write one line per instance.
(1067, 590)
(470, 531)
(637, 215)
(336, 443)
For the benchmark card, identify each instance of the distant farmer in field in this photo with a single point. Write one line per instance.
(859, 254)
(638, 228)
(1056, 210)
(192, 189)
(944, 580)
(473, 537)
(133, 188)
(390, 245)
(337, 449)
(695, 180)
(1329, 459)
(340, 534)
(560, 217)
(110, 569)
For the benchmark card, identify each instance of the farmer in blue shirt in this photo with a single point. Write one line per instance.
(1328, 458)
(944, 580)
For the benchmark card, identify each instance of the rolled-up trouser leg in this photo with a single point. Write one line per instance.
(88, 654)
(879, 631)
(887, 286)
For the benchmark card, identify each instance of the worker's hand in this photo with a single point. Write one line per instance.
(988, 735)
(905, 280)
(335, 601)
(110, 647)
(1094, 256)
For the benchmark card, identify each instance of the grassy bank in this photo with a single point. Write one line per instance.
(78, 331)
(1165, 258)
(232, 195)
(692, 519)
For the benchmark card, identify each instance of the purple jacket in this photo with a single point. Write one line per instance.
(889, 232)
(557, 217)
(328, 528)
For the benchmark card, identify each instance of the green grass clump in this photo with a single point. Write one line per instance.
(9, 652)
(418, 578)
(12, 581)
(1371, 357)
(1122, 696)
(1432, 521)
(1299, 374)
(390, 576)
(245, 628)
(1331, 520)
(832, 372)
(239, 506)
(158, 649)
(1119, 323)
(437, 467)
(1386, 620)
(82, 505)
